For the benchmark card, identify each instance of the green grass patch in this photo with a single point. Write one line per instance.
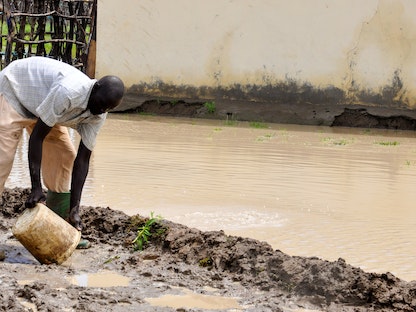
(258, 125)
(231, 123)
(387, 143)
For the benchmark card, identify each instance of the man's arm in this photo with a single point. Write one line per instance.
(40, 131)
(79, 174)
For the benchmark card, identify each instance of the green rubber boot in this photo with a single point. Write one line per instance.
(60, 204)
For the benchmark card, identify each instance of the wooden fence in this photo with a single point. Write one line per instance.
(60, 29)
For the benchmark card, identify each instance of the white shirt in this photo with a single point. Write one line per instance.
(55, 92)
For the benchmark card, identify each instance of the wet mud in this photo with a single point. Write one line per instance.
(178, 257)
(363, 119)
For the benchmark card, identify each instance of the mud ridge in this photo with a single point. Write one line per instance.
(262, 278)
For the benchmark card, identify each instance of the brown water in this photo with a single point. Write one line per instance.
(308, 191)
(192, 300)
(100, 279)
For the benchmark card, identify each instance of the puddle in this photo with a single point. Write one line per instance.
(191, 300)
(30, 306)
(101, 279)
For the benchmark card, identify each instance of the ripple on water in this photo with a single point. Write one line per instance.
(313, 191)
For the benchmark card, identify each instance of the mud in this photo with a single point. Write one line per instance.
(177, 258)
(303, 113)
(363, 119)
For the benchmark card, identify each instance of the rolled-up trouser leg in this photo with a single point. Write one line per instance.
(11, 127)
(8, 145)
(58, 157)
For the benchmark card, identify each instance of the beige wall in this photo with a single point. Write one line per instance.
(364, 50)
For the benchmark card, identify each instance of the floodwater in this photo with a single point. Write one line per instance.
(309, 191)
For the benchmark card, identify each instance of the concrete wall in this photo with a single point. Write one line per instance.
(294, 53)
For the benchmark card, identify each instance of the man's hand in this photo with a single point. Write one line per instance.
(36, 196)
(40, 131)
(74, 218)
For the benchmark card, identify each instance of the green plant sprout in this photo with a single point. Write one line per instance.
(144, 232)
(267, 136)
(333, 141)
(210, 106)
(111, 259)
(206, 262)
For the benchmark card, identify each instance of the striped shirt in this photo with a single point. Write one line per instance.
(55, 92)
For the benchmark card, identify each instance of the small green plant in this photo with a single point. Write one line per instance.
(341, 142)
(144, 232)
(266, 137)
(210, 106)
(329, 140)
(206, 262)
(231, 123)
(387, 143)
(258, 125)
(289, 286)
(111, 259)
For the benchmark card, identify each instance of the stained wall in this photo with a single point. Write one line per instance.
(344, 52)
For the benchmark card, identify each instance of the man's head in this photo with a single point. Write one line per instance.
(106, 95)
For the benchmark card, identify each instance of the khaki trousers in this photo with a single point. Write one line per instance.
(58, 151)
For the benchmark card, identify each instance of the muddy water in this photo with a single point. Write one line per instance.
(308, 191)
(196, 301)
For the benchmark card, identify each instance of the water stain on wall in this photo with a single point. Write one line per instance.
(380, 64)
(377, 69)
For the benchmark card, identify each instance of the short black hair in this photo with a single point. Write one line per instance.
(113, 87)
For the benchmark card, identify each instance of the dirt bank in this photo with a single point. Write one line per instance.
(181, 258)
(302, 113)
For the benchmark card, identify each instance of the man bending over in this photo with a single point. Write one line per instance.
(45, 96)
